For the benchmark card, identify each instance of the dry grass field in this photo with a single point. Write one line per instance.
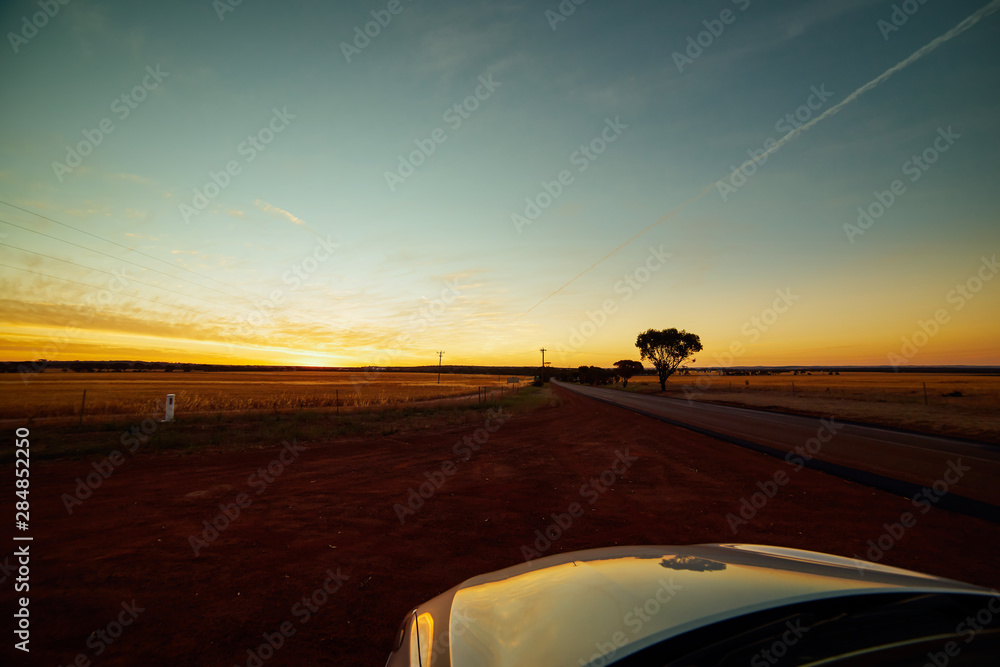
(959, 405)
(58, 394)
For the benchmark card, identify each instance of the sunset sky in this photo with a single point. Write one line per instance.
(381, 252)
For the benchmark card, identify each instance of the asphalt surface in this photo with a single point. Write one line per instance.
(951, 473)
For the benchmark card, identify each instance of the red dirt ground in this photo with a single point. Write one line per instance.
(333, 508)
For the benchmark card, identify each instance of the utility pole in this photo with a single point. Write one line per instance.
(542, 376)
(440, 354)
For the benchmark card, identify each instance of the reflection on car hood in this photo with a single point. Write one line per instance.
(573, 608)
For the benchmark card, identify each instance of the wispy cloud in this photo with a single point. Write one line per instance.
(282, 214)
(279, 212)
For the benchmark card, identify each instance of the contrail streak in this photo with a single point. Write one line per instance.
(967, 23)
(881, 78)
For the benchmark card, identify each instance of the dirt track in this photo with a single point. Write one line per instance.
(333, 507)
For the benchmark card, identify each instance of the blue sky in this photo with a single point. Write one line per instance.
(442, 241)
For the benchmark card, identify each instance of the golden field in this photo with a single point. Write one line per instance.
(58, 394)
(890, 399)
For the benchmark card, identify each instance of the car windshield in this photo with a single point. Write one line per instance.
(863, 630)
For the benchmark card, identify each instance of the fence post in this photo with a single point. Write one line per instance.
(83, 404)
(338, 401)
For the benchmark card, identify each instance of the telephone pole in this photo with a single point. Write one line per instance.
(440, 354)
(542, 376)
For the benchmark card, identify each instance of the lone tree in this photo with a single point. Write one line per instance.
(667, 350)
(628, 368)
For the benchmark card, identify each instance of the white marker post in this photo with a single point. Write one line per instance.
(169, 417)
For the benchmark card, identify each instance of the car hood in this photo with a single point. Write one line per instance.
(579, 607)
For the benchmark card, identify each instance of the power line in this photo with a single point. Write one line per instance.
(125, 247)
(109, 273)
(75, 282)
(301, 314)
(119, 259)
(146, 268)
(143, 267)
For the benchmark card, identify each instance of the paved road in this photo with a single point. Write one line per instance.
(894, 460)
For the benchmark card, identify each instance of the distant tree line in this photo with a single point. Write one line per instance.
(126, 366)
